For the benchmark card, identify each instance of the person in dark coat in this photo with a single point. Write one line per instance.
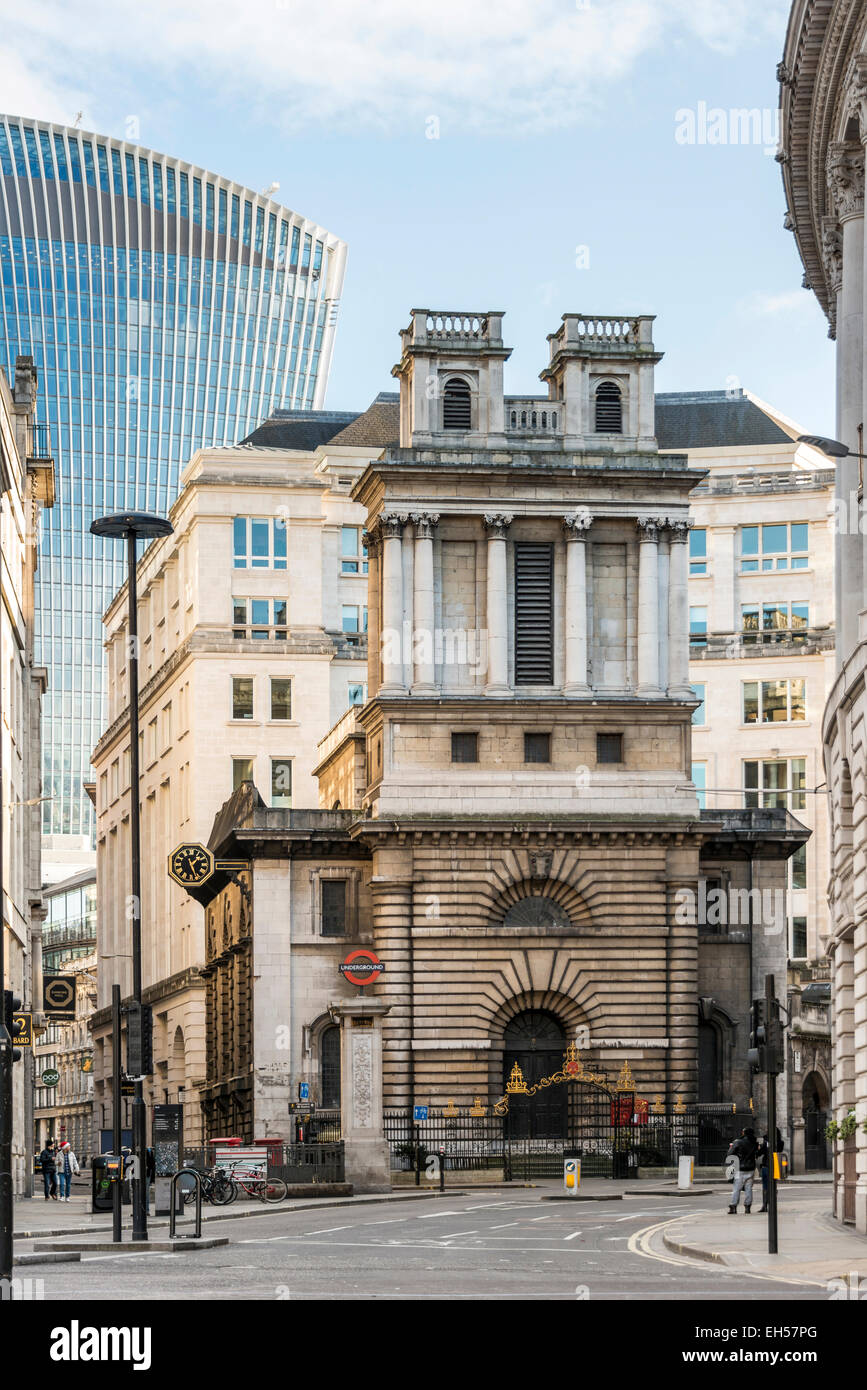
(743, 1150)
(48, 1165)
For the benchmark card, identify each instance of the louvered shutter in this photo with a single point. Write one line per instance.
(534, 614)
(457, 405)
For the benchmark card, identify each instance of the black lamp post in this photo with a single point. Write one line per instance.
(832, 447)
(130, 526)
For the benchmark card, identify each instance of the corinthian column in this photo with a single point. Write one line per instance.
(846, 189)
(391, 631)
(678, 611)
(497, 527)
(423, 679)
(648, 605)
(577, 528)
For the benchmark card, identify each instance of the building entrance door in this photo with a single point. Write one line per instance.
(536, 1041)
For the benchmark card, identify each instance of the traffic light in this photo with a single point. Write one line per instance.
(775, 1050)
(758, 1054)
(14, 1025)
(140, 1039)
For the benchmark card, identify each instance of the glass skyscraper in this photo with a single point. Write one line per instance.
(166, 309)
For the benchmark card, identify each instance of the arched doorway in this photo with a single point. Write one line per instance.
(815, 1109)
(535, 1040)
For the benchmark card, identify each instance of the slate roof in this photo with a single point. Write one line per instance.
(299, 429)
(684, 420)
(377, 426)
(713, 419)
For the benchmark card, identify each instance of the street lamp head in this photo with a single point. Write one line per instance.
(121, 525)
(832, 447)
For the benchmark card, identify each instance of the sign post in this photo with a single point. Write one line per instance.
(167, 1136)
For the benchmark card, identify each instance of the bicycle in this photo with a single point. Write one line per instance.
(218, 1187)
(265, 1187)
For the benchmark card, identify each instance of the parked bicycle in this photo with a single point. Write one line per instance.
(263, 1186)
(217, 1187)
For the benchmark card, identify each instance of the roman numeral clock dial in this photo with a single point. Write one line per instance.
(190, 865)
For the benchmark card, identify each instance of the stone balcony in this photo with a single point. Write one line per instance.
(438, 328)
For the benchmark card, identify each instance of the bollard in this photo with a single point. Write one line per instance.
(685, 1170)
(442, 1168)
(571, 1174)
(173, 1216)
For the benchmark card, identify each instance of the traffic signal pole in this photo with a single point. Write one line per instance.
(772, 1127)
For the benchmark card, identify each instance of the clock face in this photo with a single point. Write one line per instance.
(190, 865)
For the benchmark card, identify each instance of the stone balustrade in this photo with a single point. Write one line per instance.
(534, 415)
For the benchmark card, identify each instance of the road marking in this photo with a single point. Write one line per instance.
(327, 1232)
(454, 1235)
(573, 1235)
(639, 1244)
(504, 1225)
(540, 1218)
(429, 1215)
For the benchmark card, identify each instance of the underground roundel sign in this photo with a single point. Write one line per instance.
(360, 967)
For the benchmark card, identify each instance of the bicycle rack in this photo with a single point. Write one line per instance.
(173, 1217)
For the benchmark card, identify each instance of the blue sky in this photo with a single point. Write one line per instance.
(557, 127)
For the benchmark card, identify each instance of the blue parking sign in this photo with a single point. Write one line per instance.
(304, 1090)
(419, 1112)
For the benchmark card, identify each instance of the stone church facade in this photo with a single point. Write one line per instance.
(509, 820)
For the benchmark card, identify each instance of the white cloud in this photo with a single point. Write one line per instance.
(488, 66)
(760, 305)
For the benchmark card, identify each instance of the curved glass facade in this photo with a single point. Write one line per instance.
(166, 309)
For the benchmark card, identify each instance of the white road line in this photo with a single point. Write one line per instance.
(453, 1235)
(328, 1230)
(429, 1215)
(504, 1225)
(573, 1235)
(540, 1218)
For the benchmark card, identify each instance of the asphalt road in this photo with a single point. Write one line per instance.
(490, 1245)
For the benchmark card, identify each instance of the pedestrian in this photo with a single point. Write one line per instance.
(743, 1151)
(763, 1154)
(48, 1166)
(68, 1168)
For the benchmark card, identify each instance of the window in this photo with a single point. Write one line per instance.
(698, 627)
(465, 748)
(699, 716)
(775, 783)
(259, 543)
(699, 777)
(355, 695)
(333, 906)
(799, 938)
(698, 550)
(457, 405)
(259, 619)
(774, 702)
(281, 697)
(242, 771)
(352, 614)
(798, 862)
(537, 748)
(281, 782)
(609, 408)
(776, 622)
(777, 546)
(329, 1067)
(242, 697)
(534, 614)
(609, 748)
(353, 555)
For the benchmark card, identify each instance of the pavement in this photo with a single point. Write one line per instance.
(811, 1245)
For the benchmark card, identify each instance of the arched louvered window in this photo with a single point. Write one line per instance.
(457, 406)
(609, 408)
